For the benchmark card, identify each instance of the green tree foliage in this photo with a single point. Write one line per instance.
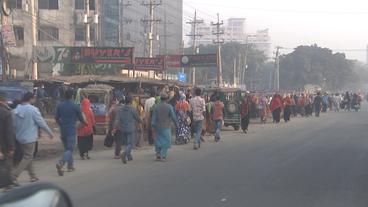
(315, 65)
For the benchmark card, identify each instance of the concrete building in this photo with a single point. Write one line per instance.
(235, 31)
(168, 32)
(261, 41)
(58, 23)
(61, 23)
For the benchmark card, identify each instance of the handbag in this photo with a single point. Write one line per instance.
(109, 140)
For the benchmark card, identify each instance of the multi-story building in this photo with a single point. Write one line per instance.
(261, 41)
(168, 29)
(61, 23)
(235, 31)
(58, 23)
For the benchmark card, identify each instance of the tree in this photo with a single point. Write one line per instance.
(315, 65)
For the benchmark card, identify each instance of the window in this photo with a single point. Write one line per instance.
(48, 4)
(79, 4)
(19, 35)
(80, 34)
(15, 4)
(48, 34)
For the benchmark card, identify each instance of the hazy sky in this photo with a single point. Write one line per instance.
(336, 24)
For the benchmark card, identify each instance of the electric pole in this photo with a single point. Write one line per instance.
(122, 5)
(34, 38)
(219, 41)
(277, 67)
(194, 36)
(88, 26)
(151, 22)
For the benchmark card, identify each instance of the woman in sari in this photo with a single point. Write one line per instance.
(263, 108)
(182, 109)
(85, 132)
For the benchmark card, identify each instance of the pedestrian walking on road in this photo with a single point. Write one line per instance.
(276, 107)
(198, 107)
(218, 116)
(126, 120)
(117, 135)
(287, 109)
(163, 115)
(149, 103)
(85, 132)
(67, 115)
(182, 109)
(317, 104)
(263, 108)
(6, 143)
(245, 113)
(27, 120)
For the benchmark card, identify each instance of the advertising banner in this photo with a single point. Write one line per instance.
(7, 33)
(84, 55)
(206, 60)
(149, 63)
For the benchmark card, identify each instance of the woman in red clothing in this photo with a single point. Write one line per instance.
(276, 107)
(85, 132)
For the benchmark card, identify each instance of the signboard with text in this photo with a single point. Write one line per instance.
(171, 61)
(84, 55)
(149, 63)
(182, 77)
(100, 55)
(7, 33)
(206, 60)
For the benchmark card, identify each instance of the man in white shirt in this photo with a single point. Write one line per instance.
(198, 107)
(147, 109)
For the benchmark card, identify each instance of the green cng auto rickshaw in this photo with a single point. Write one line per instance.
(231, 97)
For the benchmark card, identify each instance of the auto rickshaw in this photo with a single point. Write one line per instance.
(100, 97)
(231, 97)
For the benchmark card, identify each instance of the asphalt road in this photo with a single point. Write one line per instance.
(313, 162)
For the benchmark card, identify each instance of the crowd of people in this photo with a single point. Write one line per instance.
(187, 115)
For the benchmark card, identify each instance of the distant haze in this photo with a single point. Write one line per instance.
(335, 24)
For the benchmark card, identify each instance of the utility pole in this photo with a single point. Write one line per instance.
(122, 5)
(219, 41)
(88, 26)
(151, 22)
(277, 67)
(34, 39)
(234, 71)
(194, 36)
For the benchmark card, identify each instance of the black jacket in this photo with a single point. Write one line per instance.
(6, 130)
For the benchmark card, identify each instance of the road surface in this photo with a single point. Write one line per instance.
(313, 162)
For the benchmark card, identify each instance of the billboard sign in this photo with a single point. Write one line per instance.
(99, 55)
(149, 63)
(182, 77)
(7, 33)
(206, 60)
(84, 55)
(171, 61)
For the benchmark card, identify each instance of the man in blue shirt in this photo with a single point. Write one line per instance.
(67, 115)
(27, 120)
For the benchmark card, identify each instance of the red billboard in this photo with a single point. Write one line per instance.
(117, 55)
(149, 63)
(171, 61)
